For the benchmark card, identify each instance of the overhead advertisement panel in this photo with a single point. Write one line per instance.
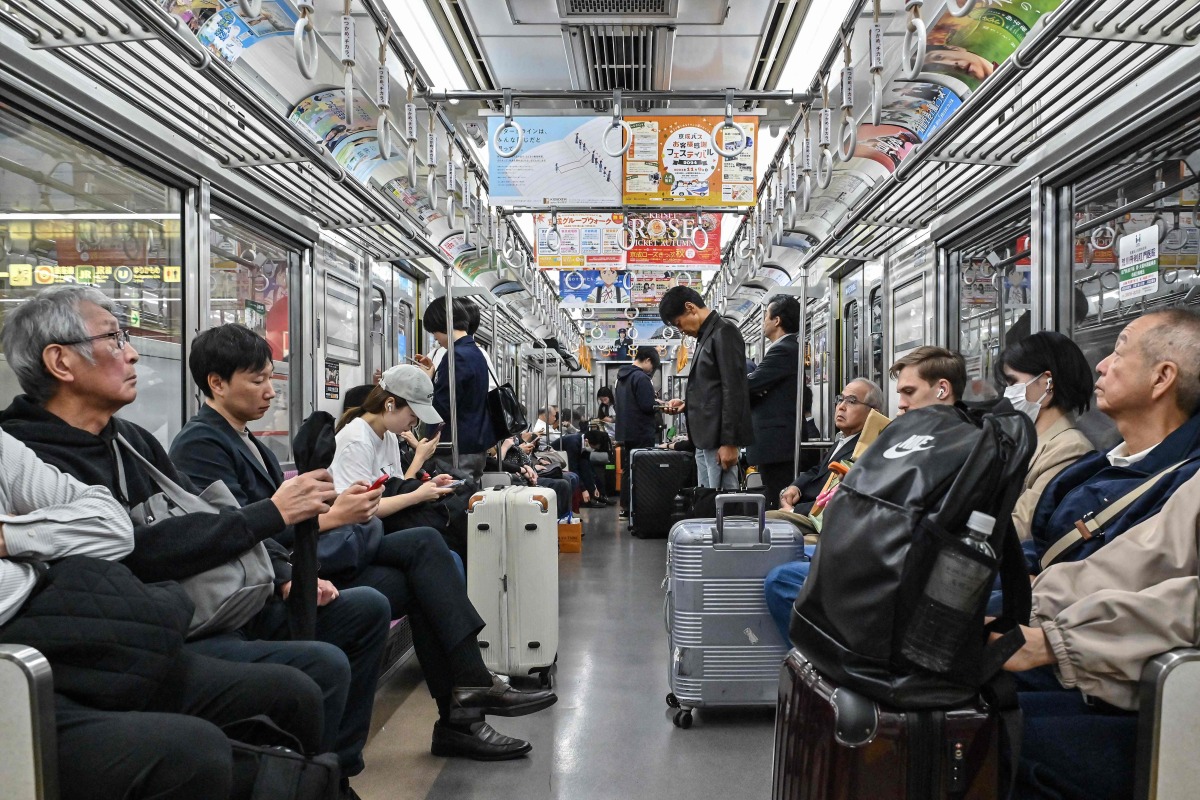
(226, 30)
(671, 161)
(658, 240)
(561, 162)
(620, 288)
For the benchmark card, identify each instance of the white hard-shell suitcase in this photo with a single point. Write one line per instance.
(724, 647)
(512, 578)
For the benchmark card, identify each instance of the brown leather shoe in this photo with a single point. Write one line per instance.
(483, 743)
(501, 699)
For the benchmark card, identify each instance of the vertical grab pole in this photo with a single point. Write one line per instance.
(802, 335)
(449, 273)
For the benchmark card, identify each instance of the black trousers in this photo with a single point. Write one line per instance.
(416, 573)
(623, 466)
(344, 661)
(776, 477)
(175, 749)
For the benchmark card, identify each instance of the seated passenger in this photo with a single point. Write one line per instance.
(1049, 379)
(854, 404)
(929, 376)
(1150, 387)
(782, 584)
(1097, 622)
(151, 727)
(516, 457)
(78, 369)
(414, 569)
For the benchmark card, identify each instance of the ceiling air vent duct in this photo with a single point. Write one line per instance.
(625, 57)
(618, 8)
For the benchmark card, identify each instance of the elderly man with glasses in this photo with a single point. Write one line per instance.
(783, 583)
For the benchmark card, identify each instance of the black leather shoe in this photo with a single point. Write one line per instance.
(501, 699)
(483, 743)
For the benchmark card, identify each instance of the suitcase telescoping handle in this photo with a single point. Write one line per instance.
(742, 500)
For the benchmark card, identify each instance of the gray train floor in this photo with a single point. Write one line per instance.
(610, 734)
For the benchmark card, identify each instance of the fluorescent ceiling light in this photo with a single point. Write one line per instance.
(83, 215)
(423, 36)
(817, 32)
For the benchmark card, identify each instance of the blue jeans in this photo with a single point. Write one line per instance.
(709, 473)
(578, 461)
(1073, 751)
(781, 587)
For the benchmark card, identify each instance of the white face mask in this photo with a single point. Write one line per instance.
(1015, 394)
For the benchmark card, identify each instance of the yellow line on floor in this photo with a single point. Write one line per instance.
(398, 763)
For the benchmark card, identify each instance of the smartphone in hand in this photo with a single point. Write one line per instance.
(380, 481)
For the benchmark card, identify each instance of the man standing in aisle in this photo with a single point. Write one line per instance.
(773, 397)
(635, 426)
(717, 393)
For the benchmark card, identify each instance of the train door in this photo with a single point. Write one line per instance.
(380, 354)
(341, 305)
(853, 359)
(818, 361)
(875, 335)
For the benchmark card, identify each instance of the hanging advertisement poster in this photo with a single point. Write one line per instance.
(358, 154)
(658, 240)
(608, 286)
(885, 145)
(919, 106)
(322, 116)
(672, 160)
(961, 52)
(415, 200)
(226, 31)
(648, 287)
(620, 337)
(1138, 263)
(561, 162)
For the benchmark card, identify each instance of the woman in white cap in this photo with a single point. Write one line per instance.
(415, 570)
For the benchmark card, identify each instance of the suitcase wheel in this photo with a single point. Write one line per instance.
(683, 719)
(545, 677)
(672, 700)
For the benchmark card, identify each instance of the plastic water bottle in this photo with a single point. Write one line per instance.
(955, 588)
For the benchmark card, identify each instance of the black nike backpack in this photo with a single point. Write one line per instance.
(907, 497)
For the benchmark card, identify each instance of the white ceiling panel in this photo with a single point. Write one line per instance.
(705, 62)
(528, 62)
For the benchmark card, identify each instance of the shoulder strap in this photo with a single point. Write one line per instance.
(1087, 528)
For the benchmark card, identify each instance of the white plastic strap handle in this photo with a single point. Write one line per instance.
(431, 163)
(509, 122)
(913, 56)
(553, 237)
(848, 139)
(251, 8)
(383, 99)
(728, 124)
(699, 237)
(304, 41)
(960, 11)
(621, 127)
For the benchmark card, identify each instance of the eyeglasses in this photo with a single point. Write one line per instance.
(120, 336)
(848, 399)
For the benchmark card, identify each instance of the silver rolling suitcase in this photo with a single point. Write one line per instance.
(724, 647)
(512, 578)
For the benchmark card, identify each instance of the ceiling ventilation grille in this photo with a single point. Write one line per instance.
(618, 8)
(626, 57)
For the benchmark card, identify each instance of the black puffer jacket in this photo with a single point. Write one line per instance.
(111, 640)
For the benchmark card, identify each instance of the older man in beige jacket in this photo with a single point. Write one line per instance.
(1097, 622)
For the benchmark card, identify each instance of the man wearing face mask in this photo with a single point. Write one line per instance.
(1049, 379)
(1150, 387)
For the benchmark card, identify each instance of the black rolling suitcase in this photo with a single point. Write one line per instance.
(835, 744)
(655, 478)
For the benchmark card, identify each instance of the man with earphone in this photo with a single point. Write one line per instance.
(929, 376)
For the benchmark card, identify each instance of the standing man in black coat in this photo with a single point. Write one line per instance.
(717, 394)
(773, 397)
(636, 424)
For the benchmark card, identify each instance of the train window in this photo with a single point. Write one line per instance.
(1157, 200)
(404, 324)
(71, 214)
(379, 326)
(851, 344)
(249, 282)
(876, 300)
(908, 318)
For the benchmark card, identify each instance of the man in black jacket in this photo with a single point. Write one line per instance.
(636, 422)
(773, 397)
(77, 368)
(717, 393)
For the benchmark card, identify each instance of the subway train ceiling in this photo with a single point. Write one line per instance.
(947, 110)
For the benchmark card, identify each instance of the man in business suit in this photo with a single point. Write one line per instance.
(773, 398)
(717, 393)
(854, 405)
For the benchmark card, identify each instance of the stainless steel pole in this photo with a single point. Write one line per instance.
(449, 278)
(802, 335)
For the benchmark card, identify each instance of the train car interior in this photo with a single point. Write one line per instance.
(338, 175)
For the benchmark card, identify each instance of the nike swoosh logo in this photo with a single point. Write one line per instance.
(901, 450)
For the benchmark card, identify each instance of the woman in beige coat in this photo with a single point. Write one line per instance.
(1049, 379)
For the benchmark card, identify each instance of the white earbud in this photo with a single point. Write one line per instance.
(941, 394)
